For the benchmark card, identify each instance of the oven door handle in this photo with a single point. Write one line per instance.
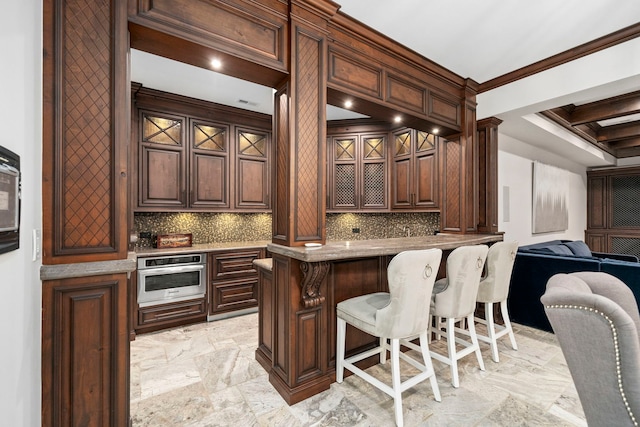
(171, 270)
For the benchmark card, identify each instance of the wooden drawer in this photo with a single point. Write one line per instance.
(171, 314)
(230, 295)
(228, 265)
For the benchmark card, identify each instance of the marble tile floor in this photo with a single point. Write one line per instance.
(206, 375)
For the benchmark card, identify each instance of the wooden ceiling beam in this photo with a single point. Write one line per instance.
(609, 108)
(618, 132)
(626, 143)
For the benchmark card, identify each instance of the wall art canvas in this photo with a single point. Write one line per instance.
(550, 196)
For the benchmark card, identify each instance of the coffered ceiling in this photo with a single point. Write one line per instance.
(612, 124)
(494, 43)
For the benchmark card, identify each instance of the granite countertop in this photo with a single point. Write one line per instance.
(263, 263)
(337, 250)
(82, 269)
(203, 247)
(333, 250)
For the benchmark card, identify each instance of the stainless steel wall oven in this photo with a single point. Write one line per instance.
(171, 278)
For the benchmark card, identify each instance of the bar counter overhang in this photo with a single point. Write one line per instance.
(298, 297)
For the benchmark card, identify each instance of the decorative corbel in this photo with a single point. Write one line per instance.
(313, 273)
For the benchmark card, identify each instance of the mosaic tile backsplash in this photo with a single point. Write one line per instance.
(228, 227)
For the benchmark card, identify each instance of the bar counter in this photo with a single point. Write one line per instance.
(349, 249)
(299, 290)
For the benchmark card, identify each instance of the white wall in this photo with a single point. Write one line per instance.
(515, 160)
(20, 287)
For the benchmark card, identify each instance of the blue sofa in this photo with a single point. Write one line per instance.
(536, 263)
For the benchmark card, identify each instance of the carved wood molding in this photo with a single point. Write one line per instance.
(313, 273)
(607, 41)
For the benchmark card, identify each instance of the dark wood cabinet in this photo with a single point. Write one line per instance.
(163, 155)
(253, 169)
(198, 156)
(613, 210)
(85, 351)
(414, 174)
(209, 164)
(358, 172)
(233, 282)
(162, 316)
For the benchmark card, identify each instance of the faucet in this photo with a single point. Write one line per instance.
(407, 230)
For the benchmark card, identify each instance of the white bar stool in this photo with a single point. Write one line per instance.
(394, 316)
(456, 302)
(494, 289)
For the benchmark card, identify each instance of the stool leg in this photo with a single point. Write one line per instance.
(474, 340)
(395, 379)
(491, 330)
(426, 357)
(451, 350)
(340, 338)
(383, 350)
(507, 323)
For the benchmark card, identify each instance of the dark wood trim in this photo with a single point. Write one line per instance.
(617, 37)
(488, 174)
(628, 103)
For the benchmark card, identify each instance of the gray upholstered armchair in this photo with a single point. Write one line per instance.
(595, 318)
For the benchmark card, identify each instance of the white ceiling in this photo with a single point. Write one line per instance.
(477, 39)
(492, 37)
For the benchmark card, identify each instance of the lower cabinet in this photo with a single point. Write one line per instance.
(171, 314)
(85, 351)
(233, 280)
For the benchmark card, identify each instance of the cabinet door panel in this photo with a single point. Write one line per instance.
(426, 181)
(344, 191)
(401, 180)
(209, 181)
(225, 265)
(85, 351)
(162, 181)
(233, 295)
(252, 184)
(374, 185)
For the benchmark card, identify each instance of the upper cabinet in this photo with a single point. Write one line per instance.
(414, 174)
(197, 156)
(374, 169)
(358, 172)
(162, 151)
(613, 210)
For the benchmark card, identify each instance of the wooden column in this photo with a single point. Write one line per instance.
(299, 205)
(459, 166)
(300, 129)
(85, 351)
(488, 175)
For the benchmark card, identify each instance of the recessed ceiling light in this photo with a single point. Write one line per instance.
(397, 119)
(216, 64)
(435, 131)
(348, 103)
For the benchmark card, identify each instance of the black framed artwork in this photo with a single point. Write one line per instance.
(9, 200)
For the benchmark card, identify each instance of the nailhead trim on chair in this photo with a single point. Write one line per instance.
(615, 345)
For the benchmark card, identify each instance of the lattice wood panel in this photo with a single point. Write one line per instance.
(374, 186)
(345, 184)
(85, 198)
(625, 245)
(626, 201)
